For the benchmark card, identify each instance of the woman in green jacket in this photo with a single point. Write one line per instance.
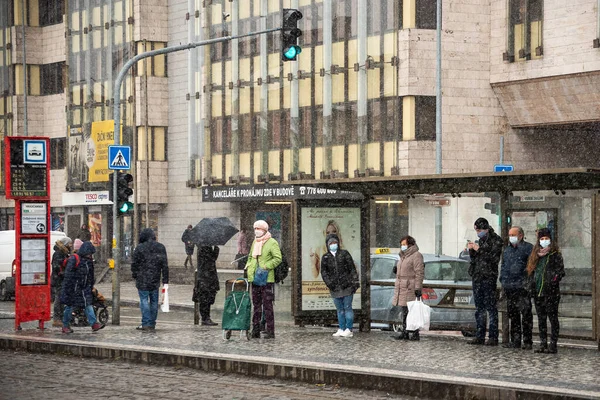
(266, 255)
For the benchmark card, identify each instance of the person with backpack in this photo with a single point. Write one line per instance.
(62, 252)
(339, 274)
(77, 287)
(265, 256)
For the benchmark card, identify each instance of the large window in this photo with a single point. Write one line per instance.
(152, 66)
(51, 11)
(525, 30)
(58, 153)
(157, 146)
(52, 78)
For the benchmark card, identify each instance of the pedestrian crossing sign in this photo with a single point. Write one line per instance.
(119, 157)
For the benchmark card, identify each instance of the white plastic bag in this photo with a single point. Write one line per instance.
(419, 315)
(164, 307)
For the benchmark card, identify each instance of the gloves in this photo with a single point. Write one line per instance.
(395, 270)
(418, 293)
(166, 286)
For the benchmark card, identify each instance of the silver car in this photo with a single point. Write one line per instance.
(456, 311)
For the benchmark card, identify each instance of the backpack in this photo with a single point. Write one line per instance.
(64, 263)
(281, 271)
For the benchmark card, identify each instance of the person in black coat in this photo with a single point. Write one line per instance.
(148, 264)
(485, 257)
(62, 252)
(545, 270)
(513, 279)
(187, 239)
(77, 287)
(339, 274)
(84, 234)
(207, 282)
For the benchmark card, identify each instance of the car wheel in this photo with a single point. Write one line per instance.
(468, 333)
(3, 295)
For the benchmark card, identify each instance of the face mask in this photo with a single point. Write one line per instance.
(403, 248)
(481, 234)
(333, 247)
(513, 239)
(545, 243)
(259, 233)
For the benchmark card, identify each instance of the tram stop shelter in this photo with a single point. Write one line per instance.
(366, 211)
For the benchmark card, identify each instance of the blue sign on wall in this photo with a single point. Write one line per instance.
(503, 168)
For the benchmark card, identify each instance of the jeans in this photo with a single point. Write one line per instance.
(89, 313)
(518, 305)
(345, 314)
(547, 308)
(149, 306)
(262, 301)
(484, 293)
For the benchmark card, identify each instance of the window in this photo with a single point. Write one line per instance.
(426, 14)
(52, 78)
(33, 80)
(58, 153)
(157, 145)
(381, 268)
(425, 117)
(151, 66)
(51, 12)
(525, 30)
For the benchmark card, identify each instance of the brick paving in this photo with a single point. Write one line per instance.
(573, 371)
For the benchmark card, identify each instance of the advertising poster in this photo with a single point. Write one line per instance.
(95, 226)
(316, 224)
(96, 150)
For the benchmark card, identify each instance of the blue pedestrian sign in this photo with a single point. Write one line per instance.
(119, 157)
(503, 168)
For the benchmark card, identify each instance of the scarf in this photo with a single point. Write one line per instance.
(543, 252)
(258, 244)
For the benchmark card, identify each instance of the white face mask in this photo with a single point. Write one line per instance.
(545, 243)
(513, 239)
(403, 247)
(259, 233)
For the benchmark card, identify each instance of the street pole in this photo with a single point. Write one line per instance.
(438, 124)
(116, 295)
(25, 128)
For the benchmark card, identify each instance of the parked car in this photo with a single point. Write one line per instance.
(439, 270)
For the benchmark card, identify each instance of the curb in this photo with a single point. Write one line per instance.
(397, 382)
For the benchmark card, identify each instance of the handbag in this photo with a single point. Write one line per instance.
(419, 315)
(260, 276)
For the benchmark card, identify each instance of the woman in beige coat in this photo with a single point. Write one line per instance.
(409, 271)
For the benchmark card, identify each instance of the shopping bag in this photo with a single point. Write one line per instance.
(164, 307)
(419, 315)
(260, 276)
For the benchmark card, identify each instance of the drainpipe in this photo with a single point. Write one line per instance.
(327, 87)
(264, 92)
(235, 93)
(438, 124)
(362, 86)
(191, 91)
(25, 127)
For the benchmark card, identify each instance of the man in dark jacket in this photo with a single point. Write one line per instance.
(207, 283)
(186, 238)
(77, 287)
(62, 251)
(84, 234)
(513, 279)
(149, 262)
(485, 257)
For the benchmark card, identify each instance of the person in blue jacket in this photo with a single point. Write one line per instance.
(513, 277)
(77, 287)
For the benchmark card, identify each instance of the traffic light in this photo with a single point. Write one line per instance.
(290, 34)
(124, 206)
(493, 205)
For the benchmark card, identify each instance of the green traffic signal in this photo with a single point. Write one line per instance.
(290, 34)
(126, 207)
(291, 52)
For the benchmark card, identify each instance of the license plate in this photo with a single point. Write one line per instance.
(462, 299)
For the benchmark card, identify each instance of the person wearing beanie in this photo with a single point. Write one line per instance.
(77, 287)
(483, 269)
(545, 270)
(62, 251)
(76, 245)
(513, 280)
(339, 274)
(264, 254)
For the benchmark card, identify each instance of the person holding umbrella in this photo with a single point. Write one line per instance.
(207, 282)
(265, 255)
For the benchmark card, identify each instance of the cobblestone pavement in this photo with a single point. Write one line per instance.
(36, 376)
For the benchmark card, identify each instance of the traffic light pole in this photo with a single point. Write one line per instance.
(116, 285)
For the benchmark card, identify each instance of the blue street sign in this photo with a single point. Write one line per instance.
(503, 168)
(119, 157)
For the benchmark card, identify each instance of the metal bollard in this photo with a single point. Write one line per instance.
(196, 304)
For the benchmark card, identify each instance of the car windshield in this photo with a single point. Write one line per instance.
(447, 271)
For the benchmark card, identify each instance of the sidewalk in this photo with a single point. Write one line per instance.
(436, 367)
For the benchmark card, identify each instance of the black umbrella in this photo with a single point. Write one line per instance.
(213, 231)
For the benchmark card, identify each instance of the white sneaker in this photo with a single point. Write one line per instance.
(338, 333)
(347, 333)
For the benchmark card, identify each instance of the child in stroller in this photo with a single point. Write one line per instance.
(100, 309)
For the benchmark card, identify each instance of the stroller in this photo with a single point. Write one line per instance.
(237, 311)
(100, 309)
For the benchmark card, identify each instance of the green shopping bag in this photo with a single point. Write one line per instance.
(237, 311)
